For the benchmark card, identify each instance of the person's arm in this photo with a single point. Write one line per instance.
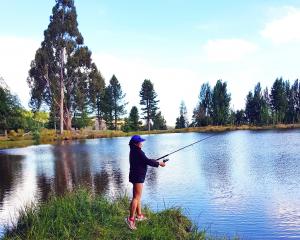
(150, 162)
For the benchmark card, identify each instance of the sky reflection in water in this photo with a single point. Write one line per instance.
(244, 183)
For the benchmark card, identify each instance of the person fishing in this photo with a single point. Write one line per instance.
(138, 168)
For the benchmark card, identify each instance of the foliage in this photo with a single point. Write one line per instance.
(231, 117)
(53, 122)
(114, 106)
(159, 123)
(148, 99)
(220, 101)
(96, 92)
(132, 123)
(125, 127)
(107, 107)
(279, 100)
(182, 120)
(240, 117)
(202, 112)
(60, 72)
(293, 103)
(10, 111)
(81, 120)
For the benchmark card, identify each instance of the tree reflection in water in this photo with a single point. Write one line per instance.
(10, 173)
(73, 167)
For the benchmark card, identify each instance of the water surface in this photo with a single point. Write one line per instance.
(244, 183)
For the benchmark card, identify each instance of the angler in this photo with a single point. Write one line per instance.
(137, 173)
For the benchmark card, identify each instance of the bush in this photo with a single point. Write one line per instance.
(13, 135)
(48, 135)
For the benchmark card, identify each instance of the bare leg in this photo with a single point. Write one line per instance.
(139, 206)
(136, 199)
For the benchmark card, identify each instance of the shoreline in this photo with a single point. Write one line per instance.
(51, 137)
(82, 214)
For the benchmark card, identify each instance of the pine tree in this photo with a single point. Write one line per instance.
(266, 108)
(202, 113)
(114, 103)
(97, 91)
(132, 123)
(159, 122)
(81, 120)
(148, 99)
(249, 109)
(240, 117)
(279, 100)
(182, 121)
(134, 119)
(257, 110)
(59, 73)
(257, 104)
(107, 107)
(296, 89)
(220, 103)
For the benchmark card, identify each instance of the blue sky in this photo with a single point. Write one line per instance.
(178, 45)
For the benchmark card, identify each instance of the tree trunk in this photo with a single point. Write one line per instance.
(62, 84)
(98, 119)
(148, 123)
(62, 94)
(115, 114)
(5, 133)
(68, 121)
(148, 115)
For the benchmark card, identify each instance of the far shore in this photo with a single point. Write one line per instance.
(51, 137)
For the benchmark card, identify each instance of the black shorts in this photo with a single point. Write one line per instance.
(136, 179)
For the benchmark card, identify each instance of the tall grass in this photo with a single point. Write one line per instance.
(82, 215)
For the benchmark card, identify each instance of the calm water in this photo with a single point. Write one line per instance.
(237, 183)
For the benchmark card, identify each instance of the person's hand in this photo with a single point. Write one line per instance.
(162, 164)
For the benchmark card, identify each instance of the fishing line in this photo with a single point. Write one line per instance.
(165, 160)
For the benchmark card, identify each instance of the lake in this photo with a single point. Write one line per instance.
(240, 183)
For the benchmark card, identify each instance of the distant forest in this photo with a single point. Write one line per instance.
(262, 107)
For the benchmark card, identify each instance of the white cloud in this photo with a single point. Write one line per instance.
(16, 54)
(170, 83)
(284, 29)
(228, 50)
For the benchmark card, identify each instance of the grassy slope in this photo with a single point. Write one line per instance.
(80, 215)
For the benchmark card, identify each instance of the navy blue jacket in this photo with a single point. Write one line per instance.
(138, 164)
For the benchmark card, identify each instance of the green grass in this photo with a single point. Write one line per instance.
(82, 215)
(4, 144)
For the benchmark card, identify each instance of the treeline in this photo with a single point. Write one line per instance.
(262, 107)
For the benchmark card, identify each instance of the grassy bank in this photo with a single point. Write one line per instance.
(81, 215)
(18, 139)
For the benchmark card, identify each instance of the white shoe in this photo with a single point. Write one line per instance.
(130, 223)
(141, 218)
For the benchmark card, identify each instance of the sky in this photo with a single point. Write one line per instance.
(178, 45)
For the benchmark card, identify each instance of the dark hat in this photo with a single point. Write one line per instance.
(137, 139)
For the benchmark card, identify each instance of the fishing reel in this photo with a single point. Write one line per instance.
(166, 159)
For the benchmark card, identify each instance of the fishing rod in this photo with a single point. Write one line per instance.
(165, 160)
